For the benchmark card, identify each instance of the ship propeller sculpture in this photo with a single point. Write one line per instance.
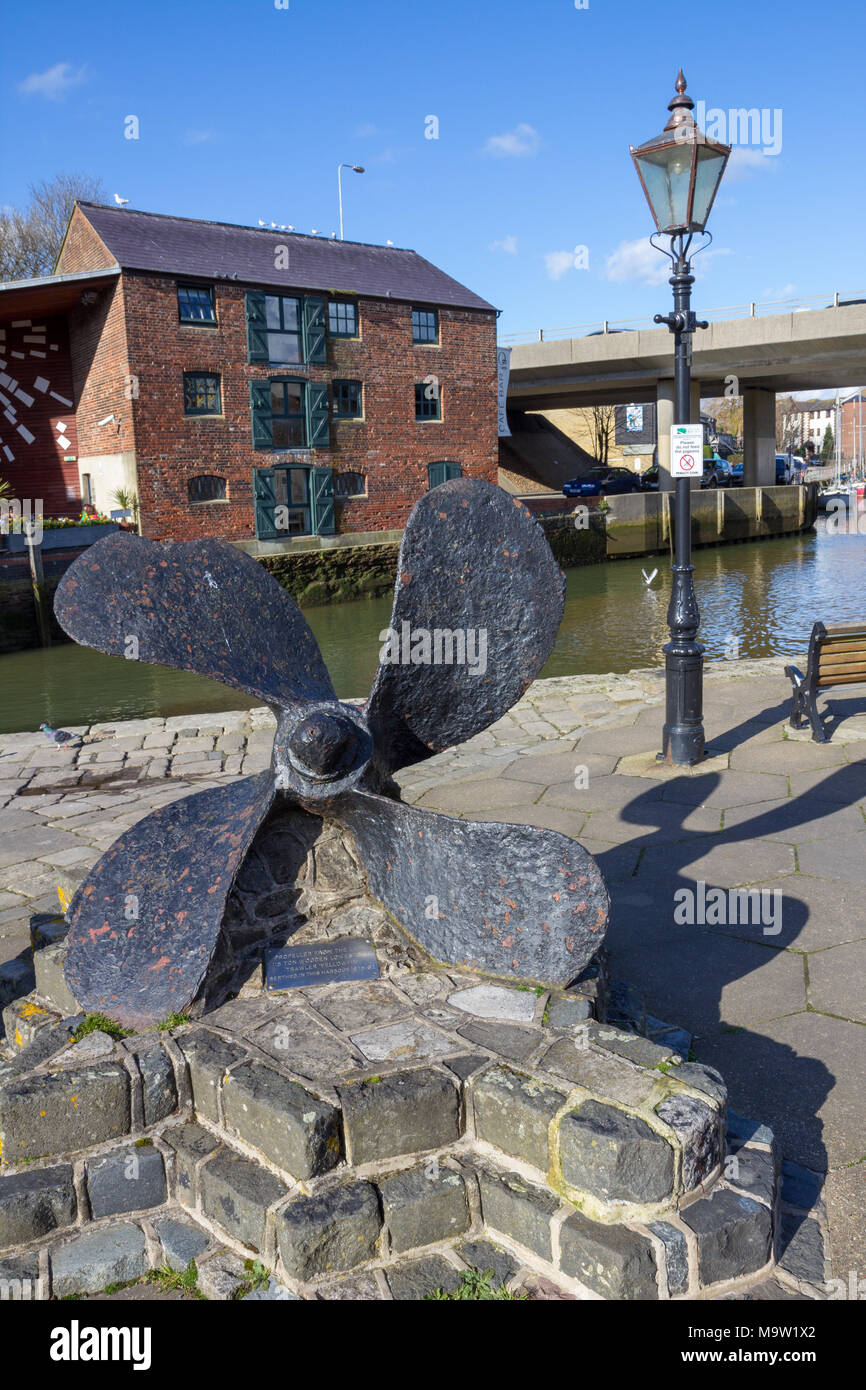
(516, 902)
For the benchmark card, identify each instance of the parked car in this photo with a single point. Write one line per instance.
(717, 472)
(602, 482)
(782, 471)
(649, 479)
(736, 473)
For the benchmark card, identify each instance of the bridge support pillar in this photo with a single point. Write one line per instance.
(759, 437)
(664, 420)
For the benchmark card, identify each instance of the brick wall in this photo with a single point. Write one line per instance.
(388, 445)
(82, 249)
(99, 354)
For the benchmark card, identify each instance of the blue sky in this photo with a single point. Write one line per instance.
(245, 109)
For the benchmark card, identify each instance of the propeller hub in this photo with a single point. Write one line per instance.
(324, 744)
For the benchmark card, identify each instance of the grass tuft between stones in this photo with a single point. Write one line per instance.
(476, 1286)
(173, 1021)
(100, 1023)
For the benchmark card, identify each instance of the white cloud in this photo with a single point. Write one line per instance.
(522, 140)
(637, 260)
(559, 263)
(54, 83)
(365, 130)
(746, 160)
(780, 292)
(508, 245)
(197, 137)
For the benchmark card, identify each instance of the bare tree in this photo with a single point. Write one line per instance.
(31, 237)
(599, 421)
(728, 413)
(789, 424)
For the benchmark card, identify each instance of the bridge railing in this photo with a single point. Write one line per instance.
(836, 299)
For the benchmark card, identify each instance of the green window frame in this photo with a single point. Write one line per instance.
(343, 318)
(195, 304)
(201, 393)
(350, 484)
(442, 471)
(425, 326)
(428, 401)
(289, 413)
(347, 399)
(285, 330)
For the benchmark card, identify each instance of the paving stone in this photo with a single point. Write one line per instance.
(334, 1231)
(800, 1186)
(492, 1001)
(467, 1064)
(748, 1131)
(506, 1039)
(402, 1042)
(159, 1090)
(517, 1209)
(90, 1262)
(734, 1234)
(34, 1203)
(698, 1129)
(407, 1112)
(357, 1005)
(222, 1277)
(50, 979)
(753, 1171)
(801, 1248)
(676, 1255)
(273, 1292)
(614, 1156)
(637, 1049)
(236, 1193)
(423, 1205)
(191, 1143)
(484, 1255)
(209, 1059)
(515, 1113)
(63, 1112)
(599, 1072)
(127, 1179)
(835, 979)
(567, 1013)
(417, 1279)
(181, 1241)
(16, 979)
(613, 1261)
(293, 1128)
(360, 1288)
(20, 1281)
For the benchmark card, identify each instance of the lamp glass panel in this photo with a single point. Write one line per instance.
(707, 176)
(666, 174)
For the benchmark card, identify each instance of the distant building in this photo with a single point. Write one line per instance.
(245, 383)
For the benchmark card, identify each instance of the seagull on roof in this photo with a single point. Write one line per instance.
(261, 223)
(291, 228)
(121, 202)
(389, 243)
(274, 225)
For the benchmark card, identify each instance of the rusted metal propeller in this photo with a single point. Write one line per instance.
(511, 901)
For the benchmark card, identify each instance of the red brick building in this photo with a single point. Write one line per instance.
(245, 383)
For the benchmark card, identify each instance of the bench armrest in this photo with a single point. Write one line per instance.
(794, 674)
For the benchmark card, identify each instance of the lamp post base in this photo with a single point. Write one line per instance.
(683, 732)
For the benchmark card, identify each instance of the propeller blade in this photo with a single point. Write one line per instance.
(145, 924)
(513, 901)
(203, 606)
(477, 605)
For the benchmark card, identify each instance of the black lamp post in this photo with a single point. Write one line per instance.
(680, 172)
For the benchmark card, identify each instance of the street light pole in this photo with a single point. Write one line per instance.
(683, 732)
(358, 169)
(680, 171)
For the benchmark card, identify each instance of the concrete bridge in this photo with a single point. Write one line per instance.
(754, 356)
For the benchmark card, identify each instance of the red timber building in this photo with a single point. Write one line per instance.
(246, 384)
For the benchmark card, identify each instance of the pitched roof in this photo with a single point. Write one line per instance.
(220, 250)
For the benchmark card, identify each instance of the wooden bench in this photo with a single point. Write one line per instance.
(837, 656)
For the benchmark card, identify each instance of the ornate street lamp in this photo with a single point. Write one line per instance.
(680, 172)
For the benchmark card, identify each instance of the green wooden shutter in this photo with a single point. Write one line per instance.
(435, 474)
(318, 417)
(257, 334)
(265, 498)
(314, 330)
(452, 470)
(322, 501)
(260, 414)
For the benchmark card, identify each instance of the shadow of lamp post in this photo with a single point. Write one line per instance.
(680, 172)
